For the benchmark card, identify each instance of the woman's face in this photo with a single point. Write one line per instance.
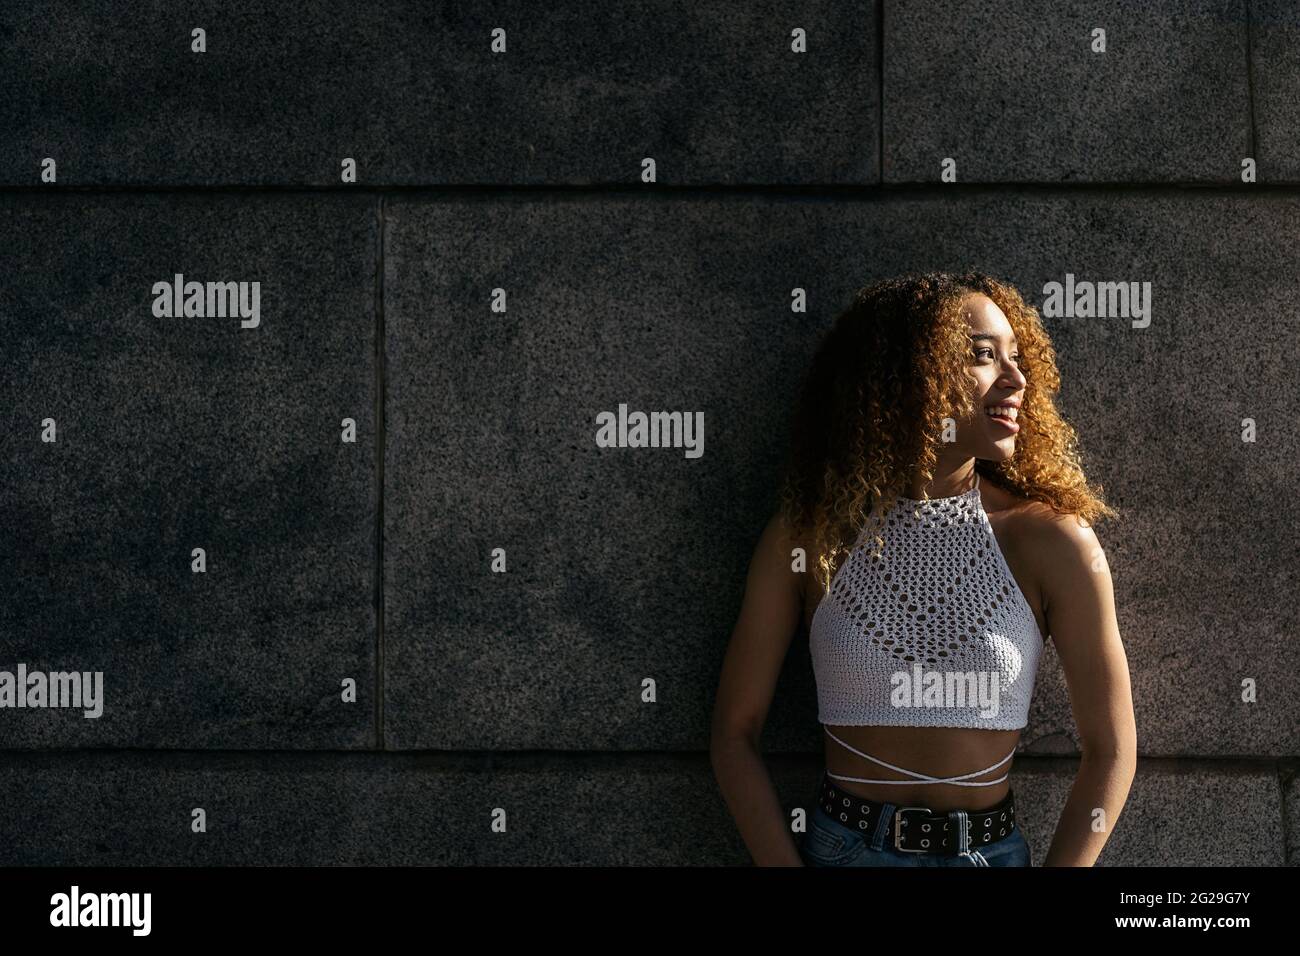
(994, 361)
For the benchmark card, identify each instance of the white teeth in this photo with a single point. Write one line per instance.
(1005, 411)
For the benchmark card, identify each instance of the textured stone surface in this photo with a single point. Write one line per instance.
(359, 809)
(371, 809)
(182, 433)
(623, 564)
(1290, 788)
(1275, 78)
(628, 563)
(1012, 91)
(1178, 813)
(584, 92)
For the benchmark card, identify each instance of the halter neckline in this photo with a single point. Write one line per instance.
(964, 494)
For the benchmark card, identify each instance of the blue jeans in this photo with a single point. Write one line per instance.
(830, 843)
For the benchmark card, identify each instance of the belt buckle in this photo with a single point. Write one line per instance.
(898, 831)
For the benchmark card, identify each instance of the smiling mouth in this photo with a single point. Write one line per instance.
(1004, 416)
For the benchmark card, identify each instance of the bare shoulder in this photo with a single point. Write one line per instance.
(777, 544)
(782, 545)
(778, 535)
(1063, 547)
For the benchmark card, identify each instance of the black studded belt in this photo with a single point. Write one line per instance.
(919, 829)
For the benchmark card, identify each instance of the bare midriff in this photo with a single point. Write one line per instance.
(936, 751)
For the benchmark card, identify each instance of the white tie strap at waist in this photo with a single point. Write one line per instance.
(921, 778)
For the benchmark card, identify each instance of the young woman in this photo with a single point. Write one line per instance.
(934, 530)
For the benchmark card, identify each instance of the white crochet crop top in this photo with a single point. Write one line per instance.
(932, 632)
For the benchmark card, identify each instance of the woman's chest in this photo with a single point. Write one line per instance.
(1008, 543)
(1013, 537)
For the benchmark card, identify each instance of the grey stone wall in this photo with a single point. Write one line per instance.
(370, 561)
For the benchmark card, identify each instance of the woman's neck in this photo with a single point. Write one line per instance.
(946, 483)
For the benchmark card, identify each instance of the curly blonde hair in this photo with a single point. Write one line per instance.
(872, 410)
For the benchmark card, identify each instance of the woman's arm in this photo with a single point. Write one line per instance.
(1079, 605)
(769, 618)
